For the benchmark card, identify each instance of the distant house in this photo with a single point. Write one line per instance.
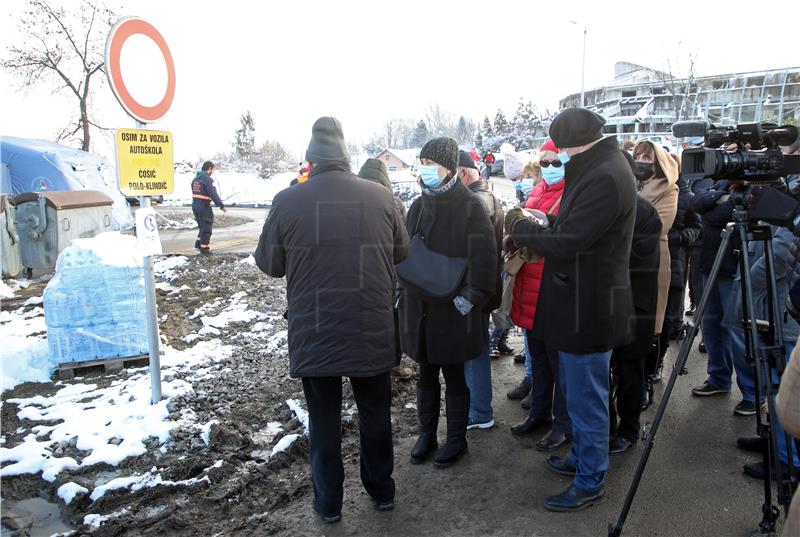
(398, 159)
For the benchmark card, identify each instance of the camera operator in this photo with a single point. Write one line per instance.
(716, 209)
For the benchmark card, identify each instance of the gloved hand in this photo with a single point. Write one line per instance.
(512, 217)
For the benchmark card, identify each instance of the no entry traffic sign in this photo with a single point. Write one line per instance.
(120, 32)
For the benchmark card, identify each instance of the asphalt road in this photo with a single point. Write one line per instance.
(238, 239)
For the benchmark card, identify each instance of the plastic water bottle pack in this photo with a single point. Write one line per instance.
(95, 304)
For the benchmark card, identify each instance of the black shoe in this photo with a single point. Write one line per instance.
(384, 506)
(561, 466)
(503, 347)
(519, 358)
(754, 444)
(702, 347)
(619, 444)
(756, 470)
(457, 409)
(494, 353)
(552, 441)
(428, 415)
(747, 408)
(197, 245)
(207, 251)
(706, 389)
(522, 389)
(328, 519)
(528, 426)
(574, 499)
(527, 401)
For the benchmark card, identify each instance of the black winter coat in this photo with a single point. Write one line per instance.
(644, 266)
(336, 238)
(684, 232)
(455, 224)
(495, 210)
(585, 301)
(715, 214)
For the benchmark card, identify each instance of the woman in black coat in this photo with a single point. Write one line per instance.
(627, 362)
(443, 334)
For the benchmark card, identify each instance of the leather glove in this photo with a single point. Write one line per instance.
(512, 217)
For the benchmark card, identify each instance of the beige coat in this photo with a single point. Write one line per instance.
(662, 192)
(788, 406)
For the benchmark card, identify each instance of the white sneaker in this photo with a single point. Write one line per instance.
(473, 424)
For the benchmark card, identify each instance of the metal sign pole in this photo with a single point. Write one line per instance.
(153, 343)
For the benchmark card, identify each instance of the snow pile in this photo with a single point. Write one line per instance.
(249, 260)
(165, 268)
(287, 441)
(147, 480)
(111, 423)
(299, 411)
(68, 491)
(236, 312)
(233, 187)
(25, 357)
(95, 521)
(8, 288)
(277, 341)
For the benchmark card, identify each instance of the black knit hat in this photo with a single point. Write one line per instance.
(575, 127)
(443, 151)
(327, 142)
(465, 160)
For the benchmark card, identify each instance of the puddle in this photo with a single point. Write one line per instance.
(39, 516)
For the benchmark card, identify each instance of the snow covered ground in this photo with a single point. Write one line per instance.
(233, 187)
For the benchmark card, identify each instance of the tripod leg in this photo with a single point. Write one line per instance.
(680, 363)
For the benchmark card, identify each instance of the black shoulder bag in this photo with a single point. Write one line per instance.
(434, 276)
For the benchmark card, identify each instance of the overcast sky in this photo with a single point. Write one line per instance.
(364, 62)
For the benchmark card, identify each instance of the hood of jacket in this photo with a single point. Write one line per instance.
(375, 170)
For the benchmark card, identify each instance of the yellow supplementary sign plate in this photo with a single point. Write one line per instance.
(145, 164)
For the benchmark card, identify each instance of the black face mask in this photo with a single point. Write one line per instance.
(644, 170)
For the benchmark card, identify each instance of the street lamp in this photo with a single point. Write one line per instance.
(583, 61)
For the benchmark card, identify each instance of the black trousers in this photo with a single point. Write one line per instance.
(205, 221)
(373, 397)
(629, 376)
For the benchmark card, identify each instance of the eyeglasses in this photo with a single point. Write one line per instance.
(546, 163)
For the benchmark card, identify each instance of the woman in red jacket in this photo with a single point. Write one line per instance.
(548, 403)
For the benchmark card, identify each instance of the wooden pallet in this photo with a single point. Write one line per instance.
(66, 371)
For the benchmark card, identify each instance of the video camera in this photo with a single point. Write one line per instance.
(757, 158)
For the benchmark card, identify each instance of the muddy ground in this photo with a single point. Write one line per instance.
(247, 492)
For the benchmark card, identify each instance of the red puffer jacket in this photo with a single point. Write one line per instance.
(529, 278)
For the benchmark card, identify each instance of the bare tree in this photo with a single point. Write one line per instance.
(682, 90)
(63, 49)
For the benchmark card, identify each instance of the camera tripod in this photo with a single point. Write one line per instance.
(764, 348)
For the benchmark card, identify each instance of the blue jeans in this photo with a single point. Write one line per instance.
(716, 336)
(585, 384)
(528, 359)
(783, 452)
(745, 372)
(478, 373)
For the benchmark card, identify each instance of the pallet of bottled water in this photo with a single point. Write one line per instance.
(94, 305)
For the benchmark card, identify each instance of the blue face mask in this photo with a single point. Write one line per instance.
(518, 184)
(563, 157)
(430, 175)
(552, 175)
(527, 186)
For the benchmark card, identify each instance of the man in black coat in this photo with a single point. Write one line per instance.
(336, 238)
(585, 306)
(203, 193)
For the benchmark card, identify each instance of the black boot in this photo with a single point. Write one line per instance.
(502, 346)
(456, 445)
(428, 414)
(197, 244)
(647, 399)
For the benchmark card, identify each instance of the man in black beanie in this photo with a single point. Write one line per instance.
(585, 306)
(336, 238)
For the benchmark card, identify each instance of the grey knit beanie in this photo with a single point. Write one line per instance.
(327, 142)
(443, 151)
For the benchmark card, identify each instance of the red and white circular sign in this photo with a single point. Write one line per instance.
(120, 32)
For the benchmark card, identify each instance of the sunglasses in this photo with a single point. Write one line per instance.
(546, 163)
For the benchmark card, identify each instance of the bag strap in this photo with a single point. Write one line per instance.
(554, 206)
(419, 217)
